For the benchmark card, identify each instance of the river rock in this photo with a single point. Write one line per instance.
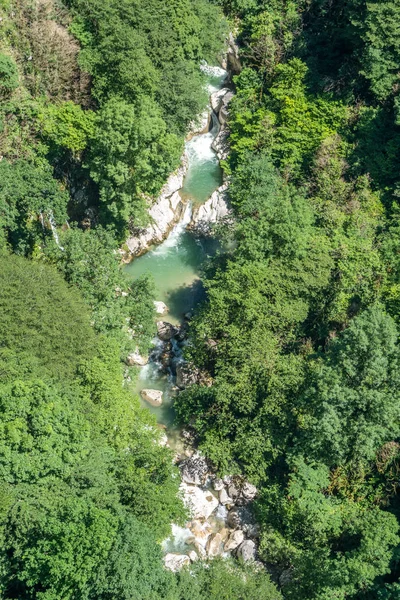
(193, 556)
(135, 359)
(186, 374)
(153, 397)
(234, 520)
(247, 551)
(160, 307)
(163, 213)
(194, 470)
(165, 357)
(224, 498)
(216, 99)
(224, 110)
(201, 503)
(166, 331)
(213, 211)
(249, 491)
(218, 484)
(201, 532)
(235, 539)
(199, 125)
(175, 562)
(221, 143)
(200, 550)
(214, 544)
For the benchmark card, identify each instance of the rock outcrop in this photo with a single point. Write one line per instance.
(175, 562)
(221, 143)
(153, 397)
(164, 213)
(247, 551)
(200, 125)
(215, 210)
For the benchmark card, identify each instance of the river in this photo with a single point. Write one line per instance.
(176, 263)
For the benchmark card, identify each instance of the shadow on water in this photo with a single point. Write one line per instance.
(185, 298)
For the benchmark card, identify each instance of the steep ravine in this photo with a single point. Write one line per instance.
(221, 522)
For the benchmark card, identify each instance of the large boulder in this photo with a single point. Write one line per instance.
(224, 498)
(199, 125)
(234, 519)
(247, 551)
(161, 307)
(221, 143)
(224, 110)
(175, 562)
(186, 374)
(216, 99)
(135, 359)
(201, 503)
(235, 539)
(214, 544)
(201, 532)
(166, 331)
(215, 210)
(194, 470)
(153, 397)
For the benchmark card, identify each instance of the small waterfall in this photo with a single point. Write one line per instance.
(54, 230)
(178, 541)
(174, 237)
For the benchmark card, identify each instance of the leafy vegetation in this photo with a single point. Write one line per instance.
(299, 329)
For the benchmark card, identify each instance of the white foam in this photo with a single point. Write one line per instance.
(178, 541)
(214, 71)
(174, 237)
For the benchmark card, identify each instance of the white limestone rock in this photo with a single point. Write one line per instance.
(216, 99)
(235, 539)
(214, 544)
(224, 498)
(201, 503)
(135, 359)
(213, 211)
(160, 307)
(175, 562)
(153, 397)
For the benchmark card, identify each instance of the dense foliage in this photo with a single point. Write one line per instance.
(299, 331)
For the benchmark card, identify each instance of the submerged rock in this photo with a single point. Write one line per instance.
(175, 562)
(153, 397)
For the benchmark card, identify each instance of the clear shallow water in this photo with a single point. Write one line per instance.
(176, 263)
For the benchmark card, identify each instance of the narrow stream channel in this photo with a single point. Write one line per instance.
(175, 264)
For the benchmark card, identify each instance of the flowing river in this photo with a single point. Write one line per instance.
(175, 264)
